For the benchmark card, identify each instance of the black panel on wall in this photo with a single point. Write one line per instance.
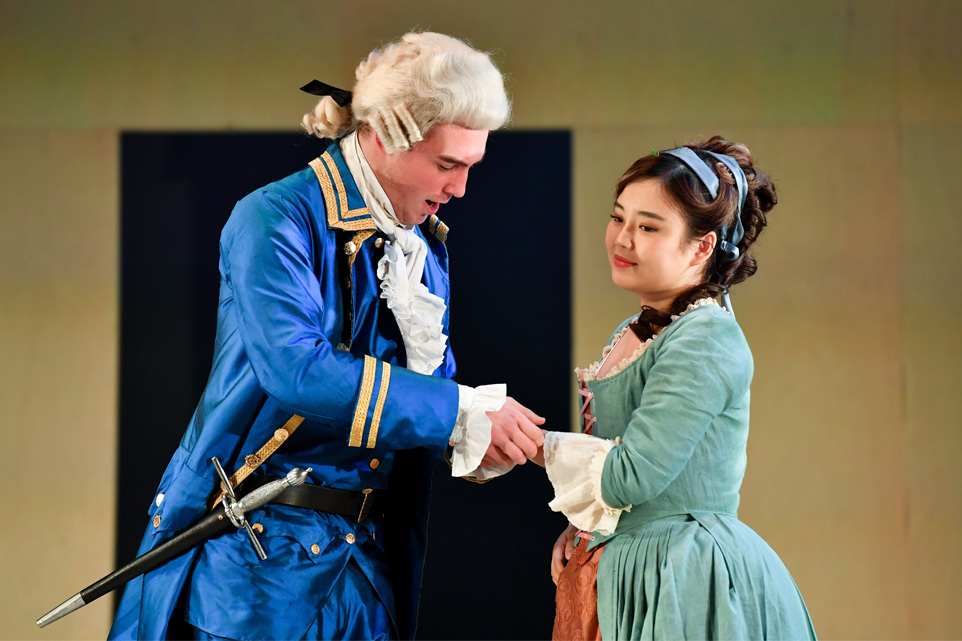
(486, 574)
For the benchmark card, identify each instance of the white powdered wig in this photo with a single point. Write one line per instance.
(413, 84)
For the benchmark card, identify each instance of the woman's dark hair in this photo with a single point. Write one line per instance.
(703, 215)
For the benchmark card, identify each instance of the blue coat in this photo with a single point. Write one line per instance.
(301, 330)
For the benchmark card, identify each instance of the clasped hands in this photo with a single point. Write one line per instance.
(515, 435)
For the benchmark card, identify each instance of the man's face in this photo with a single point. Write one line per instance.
(418, 181)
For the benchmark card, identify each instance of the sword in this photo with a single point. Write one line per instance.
(230, 511)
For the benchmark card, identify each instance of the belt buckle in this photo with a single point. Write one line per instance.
(362, 513)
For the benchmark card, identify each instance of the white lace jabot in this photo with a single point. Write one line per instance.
(418, 312)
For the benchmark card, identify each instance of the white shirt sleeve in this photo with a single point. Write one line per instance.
(472, 430)
(574, 463)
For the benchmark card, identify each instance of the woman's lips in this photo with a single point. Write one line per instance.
(621, 262)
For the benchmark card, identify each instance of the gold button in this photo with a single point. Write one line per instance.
(257, 527)
(350, 247)
(157, 521)
(349, 538)
(374, 463)
(379, 242)
(315, 549)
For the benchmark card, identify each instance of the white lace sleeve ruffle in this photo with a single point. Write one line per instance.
(472, 430)
(574, 463)
(417, 311)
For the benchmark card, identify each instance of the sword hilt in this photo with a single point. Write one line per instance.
(236, 509)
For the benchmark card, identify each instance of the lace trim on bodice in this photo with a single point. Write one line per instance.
(590, 373)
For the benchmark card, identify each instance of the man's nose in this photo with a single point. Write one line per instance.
(457, 185)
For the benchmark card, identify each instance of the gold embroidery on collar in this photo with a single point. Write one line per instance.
(338, 183)
(334, 213)
(379, 406)
(363, 401)
(439, 229)
(327, 189)
(366, 222)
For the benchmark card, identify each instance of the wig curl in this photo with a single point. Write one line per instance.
(410, 85)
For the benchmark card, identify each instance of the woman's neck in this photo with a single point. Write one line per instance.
(660, 303)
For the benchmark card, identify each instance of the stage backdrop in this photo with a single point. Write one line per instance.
(486, 575)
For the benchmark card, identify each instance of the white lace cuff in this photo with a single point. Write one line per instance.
(472, 430)
(417, 311)
(574, 463)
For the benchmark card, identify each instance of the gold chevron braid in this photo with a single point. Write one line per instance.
(367, 222)
(379, 406)
(338, 183)
(253, 461)
(363, 401)
(327, 189)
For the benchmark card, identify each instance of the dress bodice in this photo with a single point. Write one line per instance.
(679, 408)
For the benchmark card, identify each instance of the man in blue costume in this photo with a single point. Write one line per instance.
(331, 353)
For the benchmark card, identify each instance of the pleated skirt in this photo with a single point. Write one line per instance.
(701, 576)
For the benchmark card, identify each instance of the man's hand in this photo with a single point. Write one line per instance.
(563, 548)
(515, 436)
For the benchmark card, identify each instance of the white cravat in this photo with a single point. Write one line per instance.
(418, 313)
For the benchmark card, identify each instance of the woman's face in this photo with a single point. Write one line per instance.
(647, 245)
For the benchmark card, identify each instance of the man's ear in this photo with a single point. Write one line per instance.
(380, 145)
(704, 247)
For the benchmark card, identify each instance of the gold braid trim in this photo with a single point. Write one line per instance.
(328, 190)
(363, 401)
(439, 229)
(338, 183)
(343, 211)
(253, 461)
(379, 406)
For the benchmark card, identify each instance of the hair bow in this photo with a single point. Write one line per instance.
(341, 96)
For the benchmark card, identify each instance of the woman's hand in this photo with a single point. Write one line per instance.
(538, 459)
(562, 551)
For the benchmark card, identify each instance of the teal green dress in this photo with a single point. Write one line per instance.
(680, 565)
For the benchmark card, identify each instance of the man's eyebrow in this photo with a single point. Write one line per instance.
(455, 161)
(641, 212)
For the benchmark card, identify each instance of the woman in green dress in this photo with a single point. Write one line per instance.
(651, 488)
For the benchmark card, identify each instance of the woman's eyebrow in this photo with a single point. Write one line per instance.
(641, 212)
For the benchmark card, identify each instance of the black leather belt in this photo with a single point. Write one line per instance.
(357, 505)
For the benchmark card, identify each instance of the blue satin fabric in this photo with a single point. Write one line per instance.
(352, 611)
(294, 581)
(280, 321)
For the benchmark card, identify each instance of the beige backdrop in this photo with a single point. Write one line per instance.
(854, 108)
